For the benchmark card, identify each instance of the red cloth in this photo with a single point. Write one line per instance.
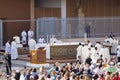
(114, 78)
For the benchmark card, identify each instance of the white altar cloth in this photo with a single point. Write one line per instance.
(47, 46)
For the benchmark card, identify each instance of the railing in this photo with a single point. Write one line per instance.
(76, 27)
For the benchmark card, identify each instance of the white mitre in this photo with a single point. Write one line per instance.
(17, 39)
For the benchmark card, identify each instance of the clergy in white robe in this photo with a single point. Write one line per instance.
(94, 55)
(98, 45)
(107, 54)
(102, 52)
(89, 44)
(14, 52)
(31, 44)
(7, 47)
(30, 34)
(84, 51)
(41, 40)
(79, 50)
(118, 52)
(24, 37)
(88, 52)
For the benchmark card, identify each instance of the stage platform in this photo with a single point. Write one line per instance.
(26, 58)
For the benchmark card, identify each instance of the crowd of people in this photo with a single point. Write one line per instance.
(93, 62)
(75, 70)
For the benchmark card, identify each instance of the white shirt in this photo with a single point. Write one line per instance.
(7, 47)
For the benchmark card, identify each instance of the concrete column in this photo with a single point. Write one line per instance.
(1, 34)
(32, 15)
(63, 8)
(63, 20)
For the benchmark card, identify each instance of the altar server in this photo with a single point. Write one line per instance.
(53, 39)
(30, 34)
(14, 52)
(41, 40)
(31, 44)
(7, 47)
(24, 36)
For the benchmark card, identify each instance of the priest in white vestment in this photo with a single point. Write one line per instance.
(31, 44)
(24, 37)
(30, 34)
(7, 47)
(79, 50)
(14, 52)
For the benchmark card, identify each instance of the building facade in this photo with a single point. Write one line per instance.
(17, 15)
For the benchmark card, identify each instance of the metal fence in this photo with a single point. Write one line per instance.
(71, 27)
(76, 27)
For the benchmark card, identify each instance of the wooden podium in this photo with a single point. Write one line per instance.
(38, 56)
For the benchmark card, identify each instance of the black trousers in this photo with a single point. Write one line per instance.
(118, 59)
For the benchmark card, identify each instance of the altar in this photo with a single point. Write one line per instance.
(60, 50)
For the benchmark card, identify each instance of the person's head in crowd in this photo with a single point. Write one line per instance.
(77, 78)
(116, 75)
(31, 77)
(88, 41)
(42, 78)
(57, 64)
(82, 77)
(96, 48)
(98, 42)
(58, 77)
(101, 56)
(87, 77)
(34, 70)
(67, 75)
(17, 75)
(118, 65)
(112, 63)
(95, 76)
(80, 44)
(53, 72)
(36, 77)
(41, 69)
